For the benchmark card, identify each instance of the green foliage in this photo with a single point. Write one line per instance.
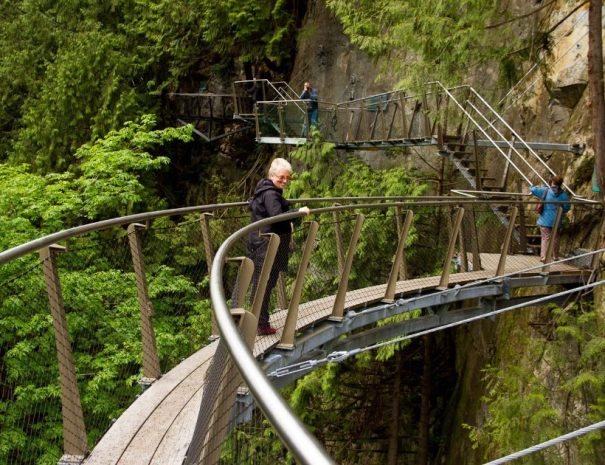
(112, 179)
(72, 71)
(549, 387)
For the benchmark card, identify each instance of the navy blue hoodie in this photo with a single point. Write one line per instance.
(268, 201)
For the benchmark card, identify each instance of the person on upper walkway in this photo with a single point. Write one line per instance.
(268, 201)
(310, 94)
(546, 220)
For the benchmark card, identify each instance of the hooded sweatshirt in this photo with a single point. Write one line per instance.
(267, 202)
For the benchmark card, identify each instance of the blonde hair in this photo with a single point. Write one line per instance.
(279, 164)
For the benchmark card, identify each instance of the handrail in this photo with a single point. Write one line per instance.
(301, 443)
(482, 130)
(49, 239)
(510, 145)
(44, 241)
(503, 121)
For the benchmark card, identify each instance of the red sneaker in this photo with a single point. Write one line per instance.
(265, 330)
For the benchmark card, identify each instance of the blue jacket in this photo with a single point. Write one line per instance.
(549, 214)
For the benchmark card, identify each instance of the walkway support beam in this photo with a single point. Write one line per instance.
(445, 275)
(389, 294)
(151, 360)
(339, 301)
(507, 240)
(74, 431)
(287, 337)
(261, 285)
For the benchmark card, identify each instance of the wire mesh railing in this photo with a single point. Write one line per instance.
(88, 328)
(355, 249)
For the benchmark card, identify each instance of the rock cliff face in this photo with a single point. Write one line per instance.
(325, 56)
(549, 104)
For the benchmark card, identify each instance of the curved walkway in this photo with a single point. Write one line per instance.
(157, 428)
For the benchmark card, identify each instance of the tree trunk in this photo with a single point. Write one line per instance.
(596, 88)
(393, 446)
(422, 454)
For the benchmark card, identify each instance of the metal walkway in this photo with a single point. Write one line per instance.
(458, 123)
(157, 428)
(351, 266)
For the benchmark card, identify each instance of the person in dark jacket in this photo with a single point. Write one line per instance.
(546, 220)
(268, 201)
(310, 95)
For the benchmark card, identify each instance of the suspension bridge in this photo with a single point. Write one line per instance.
(419, 264)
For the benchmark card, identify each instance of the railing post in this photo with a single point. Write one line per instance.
(389, 294)
(205, 225)
(478, 182)
(382, 118)
(445, 275)
(507, 240)
(256, 121)
(244, 277)
(350, 125)
(551, 243)
(151, 360)
(425, 113)
(287, 337)
(474, 240)
(339, 301)
(338, 238)
(404, 132)
(403, 269)
(261, 286)
(74, 432)
(282, 128)
(361, 118)
(507, 165)
(208, 251)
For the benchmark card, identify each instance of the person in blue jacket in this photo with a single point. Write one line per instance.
(546, 220)
(310, 94)
(268, 201)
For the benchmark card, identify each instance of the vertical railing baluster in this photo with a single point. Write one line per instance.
(230, 382)
(445, 275)
(404, 123)
(209, 252)
(263, 278)
(282, 126)
(474, 240)
(507, 240)
(74, 430)
(403, 269)
(220, 389)
(287, 337)
(244, 277)
(256, 121)
(339, 301)
(338, 237)
(389, 294)
(151, 360)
